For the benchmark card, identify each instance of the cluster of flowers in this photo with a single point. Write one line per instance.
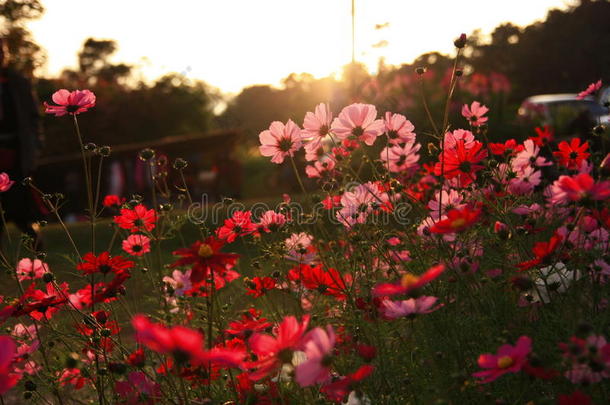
(527, 220)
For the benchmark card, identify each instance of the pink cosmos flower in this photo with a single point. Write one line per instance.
(318, 345)
(474, 114)
(591, 89)
(529, 157)
(28, 269)
(451, 139)
(136, 245)
(5, 182)
(280, 141)
(450, 200)
(577, 188)
(72, 103)
(300, 248)
(8, 379)
(399, 158)
(180, 282)
(271, 221)
(320, 167)
(361, 201)
(273, 351)
(398, 128)
(525, 182)
(590, 359)
(509, 359)
(316, 126)
(358, 121)
(409, 308)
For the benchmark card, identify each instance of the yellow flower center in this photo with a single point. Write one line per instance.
(408, 280)
(458, 223)
(205, 250)
(505, 362)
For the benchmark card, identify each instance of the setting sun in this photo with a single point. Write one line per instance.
(235, 43)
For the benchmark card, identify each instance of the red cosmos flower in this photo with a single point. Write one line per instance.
(409, 282)
(137, 358)
(72, 103)
(572, 154)
(510, 147)
(138, 219)
(240, 224)
(73, 377)
(273, 351)
(102, 292)
(510, 359)
(327, 282)
(184, 344)
(104, 264)
(544, 136)
(461, 162)
(576, 398)
(8, 350)
(249, 323)
(259, 286)
(542, 251)
(112, 201)
(457, 220)
(101, 319)
(205, 258)
(338, 390)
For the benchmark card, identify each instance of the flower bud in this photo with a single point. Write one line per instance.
(104, 151)
(180, 164)
(460, 42)
(48, 277)
(420, 70)
(147, 154)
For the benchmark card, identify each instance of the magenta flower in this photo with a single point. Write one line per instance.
(358, 121)
(398, 128)
(280, 141)
(8, 378)
(409, 308)
(5, 182)
(72, 103)
(318, 345)
(474, 114)
(590, 90)
(510, 359)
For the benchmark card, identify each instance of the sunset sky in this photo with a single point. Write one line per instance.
(234, 43)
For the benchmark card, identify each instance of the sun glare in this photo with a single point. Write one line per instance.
(235, 43)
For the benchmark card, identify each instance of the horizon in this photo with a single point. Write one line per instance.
(251, 39)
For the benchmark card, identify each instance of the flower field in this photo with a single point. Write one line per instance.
(413, 268)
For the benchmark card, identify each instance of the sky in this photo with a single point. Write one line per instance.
(231, 44)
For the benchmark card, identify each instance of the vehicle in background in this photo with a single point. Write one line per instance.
(565, 113)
